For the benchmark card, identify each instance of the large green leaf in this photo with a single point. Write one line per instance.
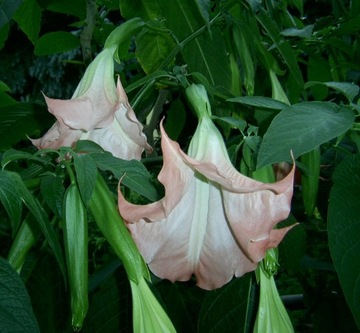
(16, 314)
(56, 42)
(20, 120)
(52, 190)
(302, 127)
(28, 17)
(36, 209)
(344, 229)
(133, 174)
(206, 53)
(70, 7)
(7, 10)
(282, 45)
(259, 101)
(292, 248)
(110, 306)
(49, 298)
(318, 69)
(86, 172)
(10, 199)
(146, 9)
(153, 47)
(349, 90)
(229, 308)
(182, 302)
(243, 50)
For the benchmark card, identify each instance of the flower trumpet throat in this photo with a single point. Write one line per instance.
(213, 221)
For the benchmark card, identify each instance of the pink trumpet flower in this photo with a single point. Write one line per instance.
(99, 111)
(213, 222)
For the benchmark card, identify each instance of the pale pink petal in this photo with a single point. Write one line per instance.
(95, 99)
(98, 111)
(128, 121)
(84, 113)
(196, 228)
(252, 208)
(257, 247)
(58, 135)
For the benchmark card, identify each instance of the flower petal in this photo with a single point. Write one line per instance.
(190, 238)
(57, 136)
(252, 208)
(98, 111)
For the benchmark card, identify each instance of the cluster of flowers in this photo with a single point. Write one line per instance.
(213, 222)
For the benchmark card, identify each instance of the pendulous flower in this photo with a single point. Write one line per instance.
(213, 222)
(99, 111)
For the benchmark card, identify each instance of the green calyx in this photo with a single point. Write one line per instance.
(197, 95)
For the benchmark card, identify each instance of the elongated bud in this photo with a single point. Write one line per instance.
(76, 251)
(109, 221)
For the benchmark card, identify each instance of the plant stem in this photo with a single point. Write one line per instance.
(86, 34)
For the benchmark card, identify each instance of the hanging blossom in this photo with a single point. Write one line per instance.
(213, 222)
(99, 111)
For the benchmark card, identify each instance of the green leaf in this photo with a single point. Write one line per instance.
(207, 52)
(87, 146)
(4, 87)
(76, 8)
(145, 9)
(11, 155)
(292, 248)
(260, 101)
(153, 47)
(207, 55)
(10, 199)
(302, 127)
(56, 42)
(28, 17)
(49, 298)
(133, 173)
(86, 172)
(36, 209)
(349, 90)
(181, 302)
(175, 120)
(110, 306)
(52, 190)
(148, 80)
(344, 230)
(226, 309)
(204, 7)
(282, 45)
(16, 314)
(246, 59)
(6, 100)
(235, 122)
(7, 10)
(318, 69)
(21, 120)
(4, 33)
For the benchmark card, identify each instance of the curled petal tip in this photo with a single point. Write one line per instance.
(257, 247)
